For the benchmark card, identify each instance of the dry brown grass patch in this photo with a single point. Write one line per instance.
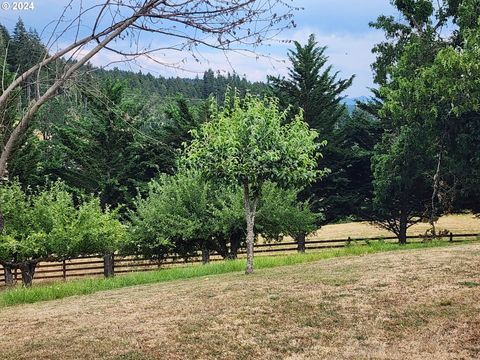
(417, 304)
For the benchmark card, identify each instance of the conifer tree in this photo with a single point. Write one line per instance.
(312, 85)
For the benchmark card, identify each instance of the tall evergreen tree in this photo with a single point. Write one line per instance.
(24, 51)
(313, 86)
(94, 146)
(350, 192)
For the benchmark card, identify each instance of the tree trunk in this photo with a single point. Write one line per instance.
(300, 239)
(108, 266)
(436, 187)
(28, 271)
(8, 274)
(402, 234)
(234, 245)
(250, 209)
(222, 249)
(205, 254)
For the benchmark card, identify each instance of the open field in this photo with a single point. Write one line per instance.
(457, 224)
(412, 304)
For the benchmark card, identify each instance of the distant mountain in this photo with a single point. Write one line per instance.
(351, 103)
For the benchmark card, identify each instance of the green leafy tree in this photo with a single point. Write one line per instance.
(173, 218)
(184, 214)
(246, 143)
(401, 186)
(47, 226)
(429, 85)
(280, 214)
(419, 20)
(442, 99)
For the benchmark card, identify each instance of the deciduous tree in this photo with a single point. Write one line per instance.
(247, 143)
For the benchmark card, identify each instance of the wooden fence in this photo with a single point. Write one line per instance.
(94, 266)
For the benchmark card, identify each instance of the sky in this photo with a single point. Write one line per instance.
(341, 25)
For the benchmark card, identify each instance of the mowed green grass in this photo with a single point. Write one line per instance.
(59, 290)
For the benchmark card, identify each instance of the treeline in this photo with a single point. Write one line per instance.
(198, 88)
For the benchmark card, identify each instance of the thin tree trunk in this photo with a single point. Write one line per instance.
(28, 271)
(402, 234)
(205, 254)
(222, 249)
(436, 186)
(234, 245)
(300, 239)
(250, 209)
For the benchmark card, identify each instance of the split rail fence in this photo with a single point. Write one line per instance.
(94, 266)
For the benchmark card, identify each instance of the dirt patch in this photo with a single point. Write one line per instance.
(416, 304)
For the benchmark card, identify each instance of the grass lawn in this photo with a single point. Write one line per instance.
(408, 304)
(60, 289)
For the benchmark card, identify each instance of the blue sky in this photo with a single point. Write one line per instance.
(342, 25)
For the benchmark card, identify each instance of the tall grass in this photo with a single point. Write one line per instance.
(59, 290)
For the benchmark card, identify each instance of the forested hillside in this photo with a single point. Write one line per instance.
(198, 88)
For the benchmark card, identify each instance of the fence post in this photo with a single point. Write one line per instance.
(451, 237)
(64, 269)
(300, 242)
(108, 265)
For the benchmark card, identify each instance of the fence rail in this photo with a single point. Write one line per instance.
(95, 266)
